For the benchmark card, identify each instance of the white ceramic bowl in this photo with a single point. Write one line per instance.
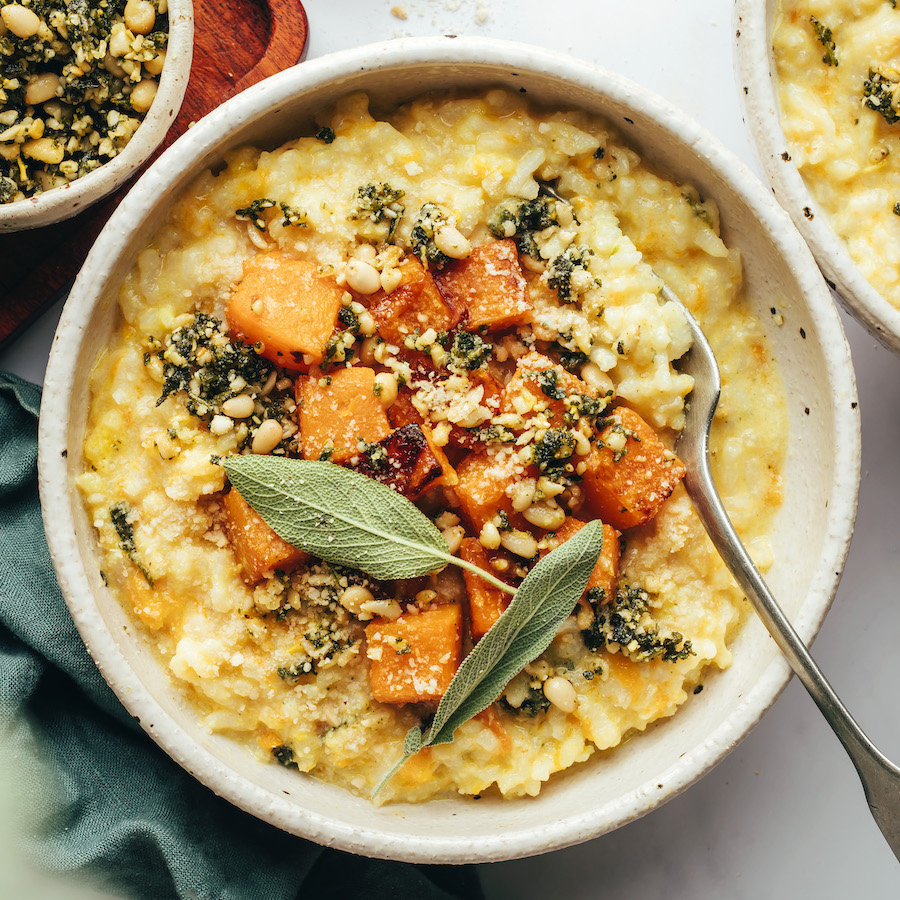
(813, 528)
(70, 199)
(755, 72)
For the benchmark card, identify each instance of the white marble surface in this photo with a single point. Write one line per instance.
(783, 815)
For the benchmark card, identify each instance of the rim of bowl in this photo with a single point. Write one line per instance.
(756, 81)
(316, 825)
(72, 198)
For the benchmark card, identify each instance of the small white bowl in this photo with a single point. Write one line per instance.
(70, 199)
(812, 533)
(755, 72)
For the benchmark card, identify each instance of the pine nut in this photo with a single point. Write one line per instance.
(43, 149)
(543, 516)
(594, 377)
(522, 494)
(450, 242)
(353, 597)
(142, 94)
(22, 22)
(270, 383)
(426, 596)
(166, 447)
(367, 350)
(119, 43)
(365, 252)
(490, 536)
(41, 87)
(454, 537)
(267, 437)
(446, 519)
(140, 16)
(362, 277)
(366, 324)
(155, 65)
(549, 488)
(239, 407)
(385, 388)
(386, 609)
(564, 214)
(390, 280)
(520, 543)
(582, 444)
(560, 693)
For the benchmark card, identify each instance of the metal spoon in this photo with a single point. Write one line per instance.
(880, 777)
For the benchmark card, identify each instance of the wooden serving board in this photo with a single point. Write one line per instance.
(236, 44)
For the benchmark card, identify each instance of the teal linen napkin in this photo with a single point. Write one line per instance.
(113, 804)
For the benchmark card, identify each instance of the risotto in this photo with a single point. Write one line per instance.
(396, 294)
(838, 71)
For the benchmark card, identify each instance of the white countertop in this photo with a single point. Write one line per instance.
(783, 815)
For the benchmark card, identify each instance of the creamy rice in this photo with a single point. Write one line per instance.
(847, 152)
(249, 655)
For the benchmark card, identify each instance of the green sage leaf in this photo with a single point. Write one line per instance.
(542, 603)
(340, 516)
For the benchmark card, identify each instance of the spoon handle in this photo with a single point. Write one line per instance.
(880, 778)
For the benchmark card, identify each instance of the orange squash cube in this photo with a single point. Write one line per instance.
(488, 287)
(414, 657)
(539, 380)
(416, 303)
(401, 413)
(481, 489)
(631, 473)
(409, 464)
(486, 602)
(287, 306)
(605, 576)
(257, 547)
(338, 409)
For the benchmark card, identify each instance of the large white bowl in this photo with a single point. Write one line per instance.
(813, 528)
(755, 72)
(70, 199)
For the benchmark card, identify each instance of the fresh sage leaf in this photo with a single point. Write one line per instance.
(350, 520)
(343, 517)
(542, 603)
(340, 516)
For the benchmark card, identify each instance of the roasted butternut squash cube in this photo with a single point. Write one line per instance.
(631, 473)
(605, 576)
(488, 287)
(338, 409)
(541, 384)
(257, 547)
(287, 306)
(401, 413)
(486, 602)
(483, 480)
(404, 461)
(414, 657)
(416, 303)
